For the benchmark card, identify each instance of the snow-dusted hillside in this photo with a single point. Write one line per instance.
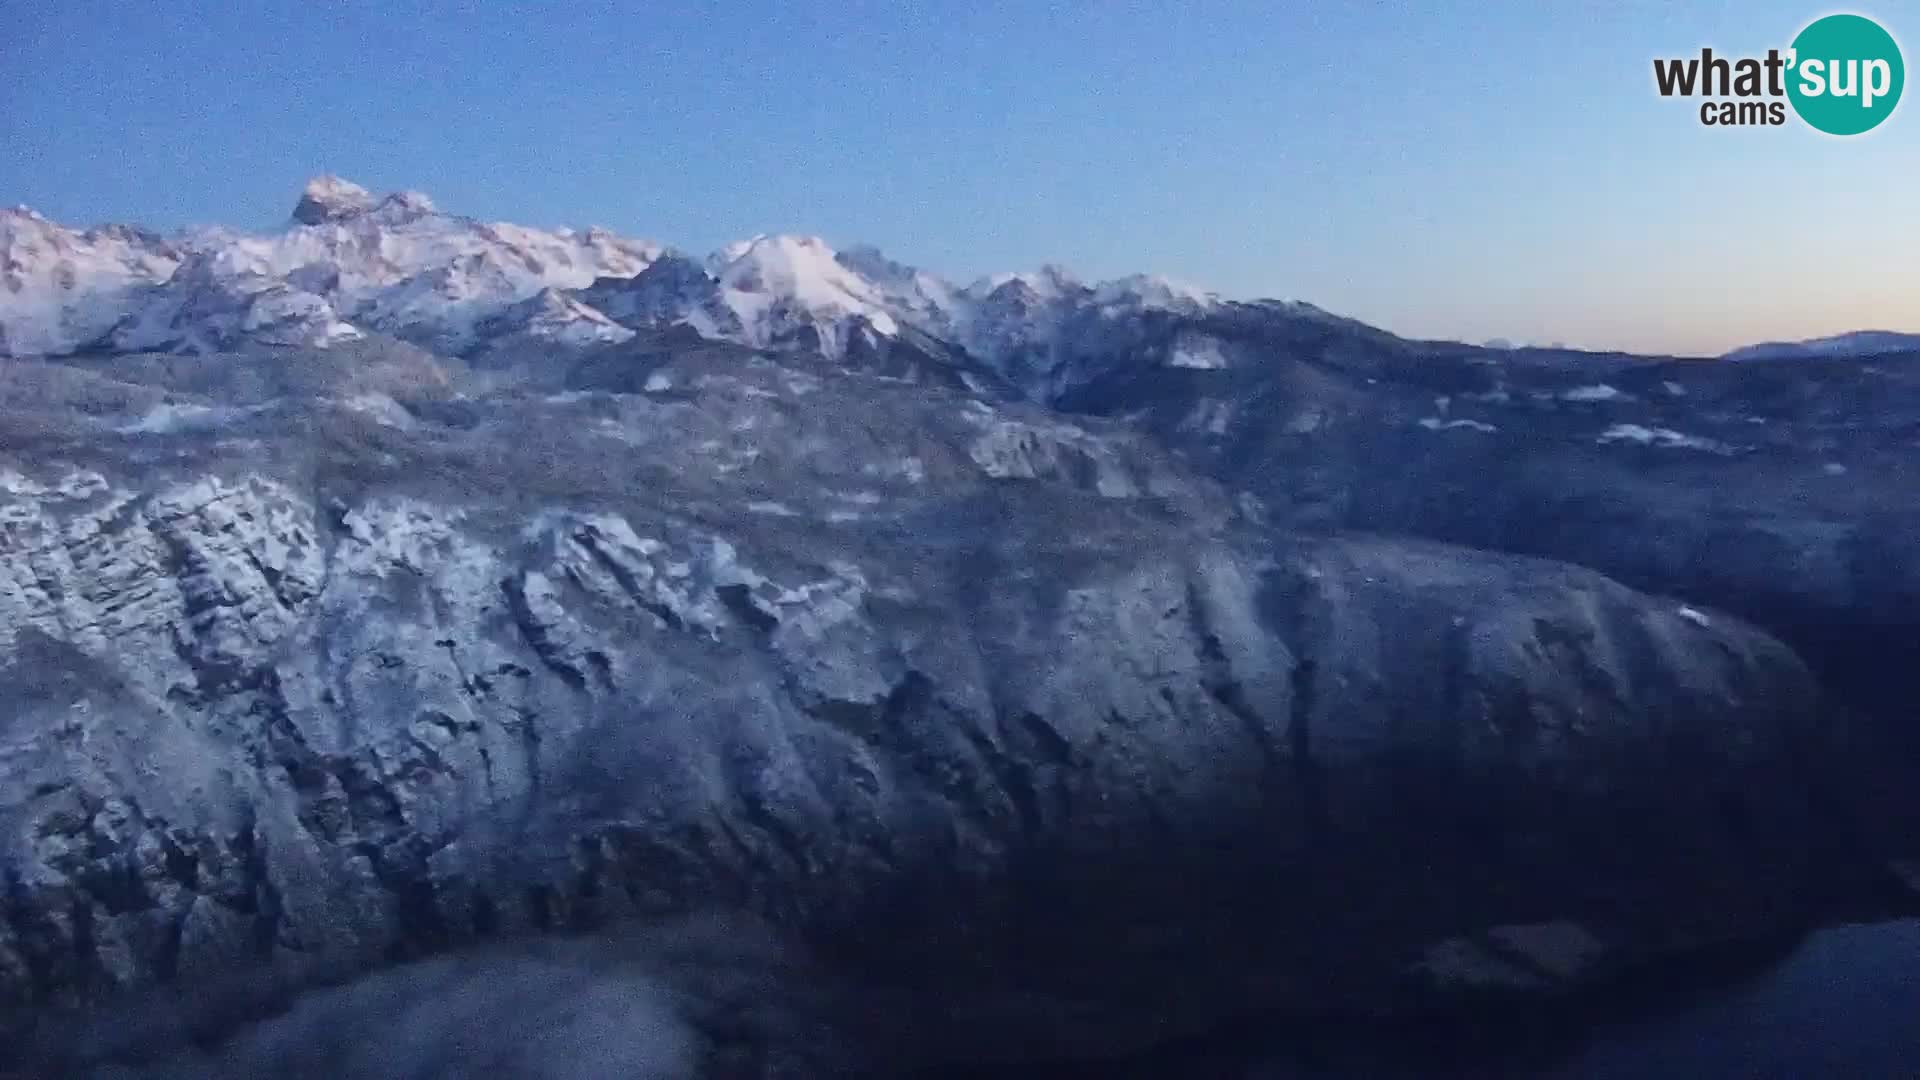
(62, 289)
(1858, 343)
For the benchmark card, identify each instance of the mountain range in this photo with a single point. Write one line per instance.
(1067, 666)
(347, 264)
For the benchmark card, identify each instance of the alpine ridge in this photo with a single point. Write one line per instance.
(349, 263)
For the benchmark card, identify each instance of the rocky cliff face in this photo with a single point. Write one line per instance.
(334, 657)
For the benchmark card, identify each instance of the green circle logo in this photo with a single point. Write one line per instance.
(1844, 74)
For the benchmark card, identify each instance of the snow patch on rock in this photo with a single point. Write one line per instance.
(1665, 438)
(1595, 392)
(1435, 423)
(1198, 352)
(167, 418)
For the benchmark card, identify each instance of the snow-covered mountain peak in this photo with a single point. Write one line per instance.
(921, 298)
(1153, 291)
(779, 287)
(62, 289)
(329, 198)
(1051, 282)
(554, 316)
(1055, 284)
(726, 256)
(405, 204)
(874, 265)
(394, 264)
(801, 267)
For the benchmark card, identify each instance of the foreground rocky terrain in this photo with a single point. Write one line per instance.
(1116, 663)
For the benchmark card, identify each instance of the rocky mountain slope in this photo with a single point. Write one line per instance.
(1083, 663)
(1781, 491)
(1859, 343)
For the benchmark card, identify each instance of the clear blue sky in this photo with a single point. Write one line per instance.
(1464, 170)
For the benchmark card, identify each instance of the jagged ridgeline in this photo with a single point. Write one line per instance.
(1080, 664)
